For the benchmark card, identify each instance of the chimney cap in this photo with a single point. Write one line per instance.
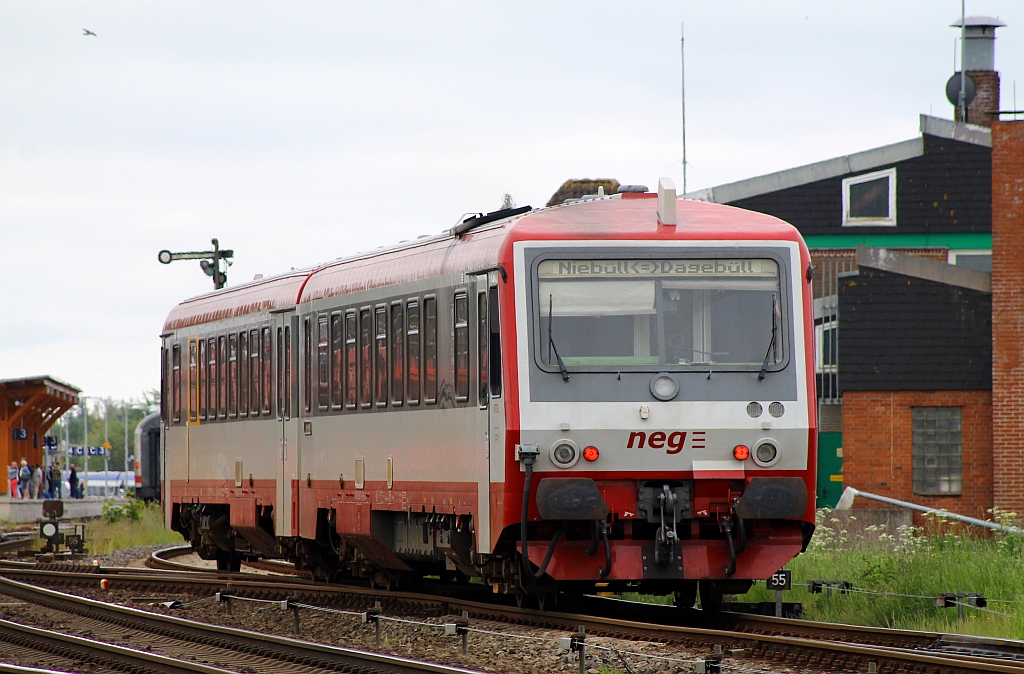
(979, 22)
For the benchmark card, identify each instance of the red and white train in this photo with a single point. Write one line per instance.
(620, 387)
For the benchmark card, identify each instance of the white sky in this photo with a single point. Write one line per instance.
(298, 132)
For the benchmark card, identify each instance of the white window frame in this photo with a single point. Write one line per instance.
(889, 173)
(953, 254)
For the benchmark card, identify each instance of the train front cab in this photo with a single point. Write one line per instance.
(667, 426)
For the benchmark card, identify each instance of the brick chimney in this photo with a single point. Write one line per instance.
(1008, 315)
(979, 60)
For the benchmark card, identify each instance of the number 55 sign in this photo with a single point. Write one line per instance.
(781, 580)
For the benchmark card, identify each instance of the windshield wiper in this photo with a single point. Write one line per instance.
(551, 343)
(771, 344)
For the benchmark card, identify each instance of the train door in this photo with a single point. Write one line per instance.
(288, 475)
(492, 420)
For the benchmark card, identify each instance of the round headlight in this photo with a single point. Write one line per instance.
(766, 454)
(664, 386)
(564, 453)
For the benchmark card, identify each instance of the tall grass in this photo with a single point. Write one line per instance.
(895, 575)
(143, 526)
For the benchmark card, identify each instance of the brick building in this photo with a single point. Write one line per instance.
(920, 373)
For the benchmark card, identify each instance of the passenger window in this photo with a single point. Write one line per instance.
(430, 350)
(494, 373)
(412, 322)
(222, 377)
(307, 370)
(233, 375)
(323, 363)
(280, 373)
(483, 342)
(351, 380)
(287, 382)
(192, 383)
(254, 372)
(211, 371)
(337, 366)
(461, 347)
(176, 383)
(397, 354)
(243, 374)
(365, 361)
(265, 363)
(202, 379)
(380, 315)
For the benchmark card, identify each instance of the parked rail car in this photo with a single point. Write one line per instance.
(550, 400)
(148, 460)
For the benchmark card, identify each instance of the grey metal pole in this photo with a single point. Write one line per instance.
(106, 443)
(682, 87)
(846, 501)
(778, 603)
(125, 404)
(962, 98)
(85, 448)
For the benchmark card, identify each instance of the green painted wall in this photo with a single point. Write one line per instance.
(965, 241)
(830, 462)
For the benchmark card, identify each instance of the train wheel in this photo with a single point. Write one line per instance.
(710, 596)
(686, 595)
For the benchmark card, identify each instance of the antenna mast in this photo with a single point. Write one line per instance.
(963, 71)
(682, 82)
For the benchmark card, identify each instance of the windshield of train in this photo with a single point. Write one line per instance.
(659, 313)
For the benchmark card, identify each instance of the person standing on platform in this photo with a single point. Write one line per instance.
(12, 479)
(55, 481)
(73, 483)
(24, 475)
(35, 481)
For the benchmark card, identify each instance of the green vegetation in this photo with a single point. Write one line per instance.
(129, 525)
(895, 575)
(75, 421)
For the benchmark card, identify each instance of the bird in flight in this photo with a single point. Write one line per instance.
(86, 31)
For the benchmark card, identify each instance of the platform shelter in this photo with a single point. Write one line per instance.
(28, 407)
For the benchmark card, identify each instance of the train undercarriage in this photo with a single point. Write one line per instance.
(663, 550)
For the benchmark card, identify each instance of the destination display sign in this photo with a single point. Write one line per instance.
(692, 268)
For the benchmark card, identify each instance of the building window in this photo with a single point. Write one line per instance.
(972, 259)
(938, 468)
(870, 200)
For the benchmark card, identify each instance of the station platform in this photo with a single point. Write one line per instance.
(18, 511)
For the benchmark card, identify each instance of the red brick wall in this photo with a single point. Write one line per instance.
(1008, 314)
(878, 446)
(986, 98)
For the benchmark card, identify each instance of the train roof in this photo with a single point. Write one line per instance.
(618, 217)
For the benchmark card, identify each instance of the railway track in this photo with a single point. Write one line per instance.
(169, 645)
(795, 642)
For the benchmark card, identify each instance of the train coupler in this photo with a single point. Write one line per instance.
(666, 538)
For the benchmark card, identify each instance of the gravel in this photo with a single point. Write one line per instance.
(130, 556)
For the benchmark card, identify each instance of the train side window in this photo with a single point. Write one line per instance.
(307, 365)
(176, 383)
(280, 372)
(412, 348)
(380, 315)
(164, 398)
(323, 362)
(233, 375)
(243, 374)
(266, 393)
(222, 377)
(193, 384)
(430, 350)
(254, 372)
(461, 336)
(351, 378)
(337, 369)
(483, 341)
(289, 385)
(397, 354)
(365, 361)
(211, 372)
(202, 379)
(494, 373)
